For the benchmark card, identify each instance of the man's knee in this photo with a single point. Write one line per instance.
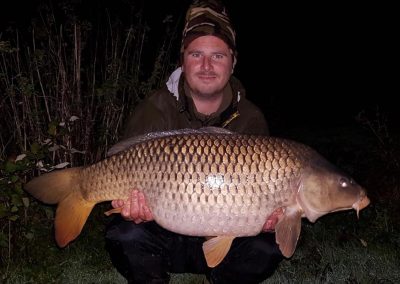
(124, 231)
(137, 252)
(250, 260)
(262, 254)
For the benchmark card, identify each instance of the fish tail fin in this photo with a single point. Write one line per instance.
(63, 188)
(53, 187)
(71, 216)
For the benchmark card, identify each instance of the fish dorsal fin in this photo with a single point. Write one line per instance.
(126, 143)
(287, 231)
(214, 129)
(215, 249)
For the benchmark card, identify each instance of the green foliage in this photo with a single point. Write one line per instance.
(15, 204)
(66, 89)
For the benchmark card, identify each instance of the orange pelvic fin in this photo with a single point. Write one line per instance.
(215, 249)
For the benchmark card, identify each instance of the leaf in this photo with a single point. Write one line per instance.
(41, 166)
(364, 243)
(73, 118)
(54, 148)
(61, 166)
(29, 236)
(13, 218)
(20, 157)
(13, 210)
(16, 202)
(73, 151)
(18, 188)
(46, 142)
(35, 147)
(3, 210)
(3, 240)
(25, 201)
(10, 167)
(14, 179)
(52, 130)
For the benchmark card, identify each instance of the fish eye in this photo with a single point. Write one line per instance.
(344, 182)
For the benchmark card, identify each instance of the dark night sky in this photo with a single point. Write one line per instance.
(303, 65)
(322, 65)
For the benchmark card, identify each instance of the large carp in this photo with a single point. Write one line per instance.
(208, 182)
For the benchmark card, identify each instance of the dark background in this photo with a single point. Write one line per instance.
(305, 65)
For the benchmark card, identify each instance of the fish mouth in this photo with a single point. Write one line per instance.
(361, 204)
(313, 214)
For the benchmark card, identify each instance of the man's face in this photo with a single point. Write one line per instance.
(207, 65)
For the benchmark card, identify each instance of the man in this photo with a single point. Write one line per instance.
(200, 93)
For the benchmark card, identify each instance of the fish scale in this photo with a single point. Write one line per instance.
(195, 186)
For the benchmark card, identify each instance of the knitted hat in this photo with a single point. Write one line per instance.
(208, 17)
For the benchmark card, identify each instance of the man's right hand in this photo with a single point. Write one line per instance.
(135, 208)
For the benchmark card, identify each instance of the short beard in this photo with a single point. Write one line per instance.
(207, 96)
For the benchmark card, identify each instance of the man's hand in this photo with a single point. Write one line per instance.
(135, 208)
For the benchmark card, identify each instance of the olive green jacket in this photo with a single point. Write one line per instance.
(170, 108)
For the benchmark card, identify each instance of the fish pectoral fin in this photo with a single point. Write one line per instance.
(215, 249)
(113, 211)
(287, 231)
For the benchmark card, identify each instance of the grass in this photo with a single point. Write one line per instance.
(329, 253)
(338, 248)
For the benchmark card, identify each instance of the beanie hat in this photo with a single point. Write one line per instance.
(208, 17)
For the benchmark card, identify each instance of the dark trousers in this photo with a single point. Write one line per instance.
(145, 253)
